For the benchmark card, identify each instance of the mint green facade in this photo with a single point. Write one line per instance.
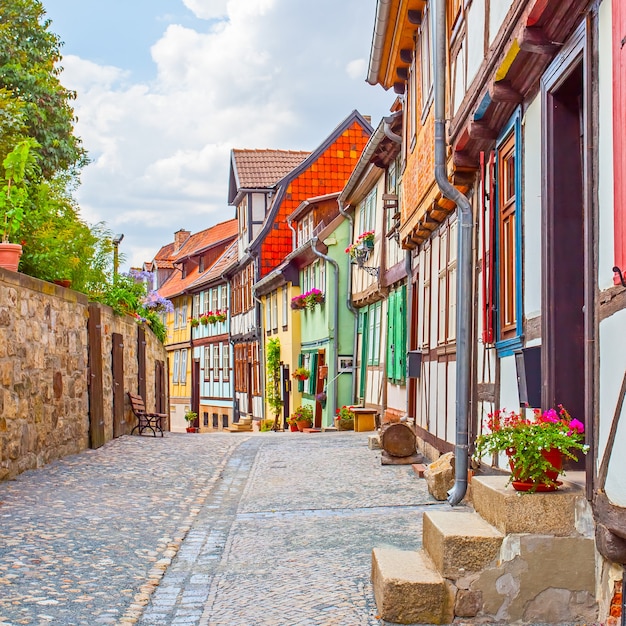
(327, 329)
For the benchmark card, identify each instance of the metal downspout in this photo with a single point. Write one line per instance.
(332, 366)
(464, 261)
(294, 238)
(355, 342)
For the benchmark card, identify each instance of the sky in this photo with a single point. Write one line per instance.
(167, 88)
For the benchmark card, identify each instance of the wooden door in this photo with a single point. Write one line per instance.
(94, 379)
(117, 365)
(141, 364)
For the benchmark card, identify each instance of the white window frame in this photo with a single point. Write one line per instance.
(183, 366)
(176, 367)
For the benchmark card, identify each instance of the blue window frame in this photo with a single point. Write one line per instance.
(508, 204)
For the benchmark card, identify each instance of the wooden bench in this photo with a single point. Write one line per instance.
(145, 420)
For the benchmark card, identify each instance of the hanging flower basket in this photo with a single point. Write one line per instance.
(301, 373)
(298, 302)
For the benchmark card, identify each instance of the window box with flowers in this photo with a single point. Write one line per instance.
(313, 297)
(364, 242)
(535, 447)
(220, 316)
(298, 302)
(344, 419)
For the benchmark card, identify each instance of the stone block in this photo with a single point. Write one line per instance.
(459, 542)
(468, 603)
(439, 476)
(373, 442)
(511, 511)
(408, 589)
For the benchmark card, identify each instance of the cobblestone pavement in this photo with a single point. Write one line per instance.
(224, 529)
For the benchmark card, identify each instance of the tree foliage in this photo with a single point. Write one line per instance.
(32, 98)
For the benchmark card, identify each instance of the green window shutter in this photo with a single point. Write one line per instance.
(402, 325)
(300, 364)
(312, 382)
(379, 313)
(391, 304)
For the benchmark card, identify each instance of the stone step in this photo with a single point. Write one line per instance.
(408, 589)
(239, 427)
(512, 511)
(459, 542)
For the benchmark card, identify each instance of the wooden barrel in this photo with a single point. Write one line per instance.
(398, 440)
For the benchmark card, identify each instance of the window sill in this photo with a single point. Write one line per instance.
(507, 347)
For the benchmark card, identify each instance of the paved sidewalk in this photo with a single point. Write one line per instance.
(224, 529)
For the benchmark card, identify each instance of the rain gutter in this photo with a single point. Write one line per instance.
(378, 40)
(464, 260)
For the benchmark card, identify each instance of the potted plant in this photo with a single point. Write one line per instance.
(313, 297)
(302, 417)
(535, 447)
(191, 416)
(364, 242)
(18, 164)
(194, 321)
(298, 302)
(301, 373)
(344, 419)
(220, 316)
(204, 319)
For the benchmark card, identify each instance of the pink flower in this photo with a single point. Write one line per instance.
(550, 416)
(576, 426)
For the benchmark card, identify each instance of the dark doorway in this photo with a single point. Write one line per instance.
(117, 366)
(564, 217)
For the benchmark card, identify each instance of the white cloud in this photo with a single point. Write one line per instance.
(271, 74)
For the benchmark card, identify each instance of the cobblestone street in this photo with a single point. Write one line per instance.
(224, 529)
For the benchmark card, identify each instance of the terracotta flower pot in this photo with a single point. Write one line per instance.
(10, 254)
(303, 425)
(555, 458)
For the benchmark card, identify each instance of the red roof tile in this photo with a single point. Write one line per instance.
(217, 269)
(220, 234)
(264, 168)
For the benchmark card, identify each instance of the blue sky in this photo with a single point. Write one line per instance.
(166, 88)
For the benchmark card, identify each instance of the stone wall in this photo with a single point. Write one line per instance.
(44, 393)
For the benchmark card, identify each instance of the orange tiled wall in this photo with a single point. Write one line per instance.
(419, 174)
(328, 174)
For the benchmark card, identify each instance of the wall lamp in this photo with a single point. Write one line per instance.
(116, 244)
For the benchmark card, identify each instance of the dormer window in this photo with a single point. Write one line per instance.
(201, 265)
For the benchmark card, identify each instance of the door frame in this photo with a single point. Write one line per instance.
(578, 50)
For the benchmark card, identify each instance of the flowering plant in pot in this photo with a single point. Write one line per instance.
(194, 321)
(298, 302)
(302, 417)
(535, 447)
(220, 316)
(313, 297)
(204, 319)
(301, 373)
(345, 418)
(363, 241)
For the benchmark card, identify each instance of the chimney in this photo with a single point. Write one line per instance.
(368, 119)
(180, 236)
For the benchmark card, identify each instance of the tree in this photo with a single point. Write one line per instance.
(273, 391)
(29, 72)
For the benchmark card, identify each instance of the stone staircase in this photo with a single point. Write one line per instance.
(515, 558)
(243, 425)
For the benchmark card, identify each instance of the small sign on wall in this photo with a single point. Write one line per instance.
(345, 364)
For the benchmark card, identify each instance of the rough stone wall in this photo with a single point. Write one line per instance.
(44, 396)
(43, 365)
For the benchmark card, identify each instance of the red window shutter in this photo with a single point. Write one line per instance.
(619, 142)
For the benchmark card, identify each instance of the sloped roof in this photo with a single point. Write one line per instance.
(227, 259)
(264, 168)
(260, 169)
(198, 242)
(206, 238)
